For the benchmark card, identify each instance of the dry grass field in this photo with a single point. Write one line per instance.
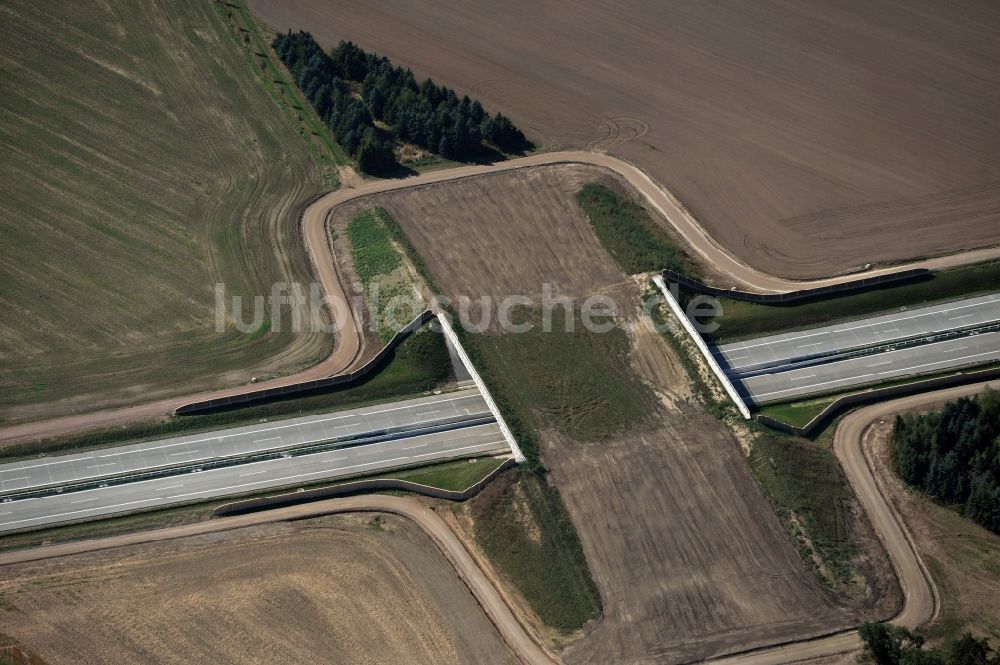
(684, 548)
(365, 589)
(809, 138)
(143, 163)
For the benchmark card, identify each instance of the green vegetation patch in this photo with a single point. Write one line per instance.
(456, 476)
(579, 382)
(741, 319)
(634, 240)
(799, 413)
(954, 455)
(371, 248)
(811, 496)
(522, 525)
(419, 364)
(389, 290)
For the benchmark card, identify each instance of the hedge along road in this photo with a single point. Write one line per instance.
(349, 341)
(920, 601)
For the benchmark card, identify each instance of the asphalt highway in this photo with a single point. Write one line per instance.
(876, 368)
(240, 441)
(252, 477)
(776, 350)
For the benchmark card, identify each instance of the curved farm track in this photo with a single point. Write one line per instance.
(920, 599)
(349, 340)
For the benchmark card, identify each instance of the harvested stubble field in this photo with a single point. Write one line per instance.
(687, 555)
(808, 138)
(143, 163)
(358, 589)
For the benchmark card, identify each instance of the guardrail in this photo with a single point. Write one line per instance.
(804, 294)
(723, 379)
(305, 387)
(357, 487)
(877, 394)
(483, 390)
(294, 450)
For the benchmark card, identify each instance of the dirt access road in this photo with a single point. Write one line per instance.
(349, 343)
(920, 596)
(808, 137)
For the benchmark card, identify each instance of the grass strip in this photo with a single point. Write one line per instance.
(811, 496)
(631, 237)
(256, 40)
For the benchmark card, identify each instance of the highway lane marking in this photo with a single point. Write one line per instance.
(803, 378)
(14, 480)
(887, 362)
(802, 346)
(422, 445)
(231, 487)
(275, 480)
(270, 438)
(477, 395)
(892, 371)
(253, 473)
(949, 360)
(98, 466)
(823, 383)
(93, 498)
(964, 316)
(171, 487)
(184, 452)
(957, 348)
(992, 299)
(76, 512)
(452, 450)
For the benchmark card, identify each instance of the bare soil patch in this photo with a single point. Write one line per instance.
(687, 555)
(356, 589)
(808, 138)
(504, 234)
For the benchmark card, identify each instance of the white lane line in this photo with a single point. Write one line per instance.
(334, 459)
(813, 385)
(171, 487)
(94, 498)
(803, 378)
(276, 480)
(12, 480)
(217, 437)
(887, 362)
(422, 445)
(185, 452)
(957, 348)
(452, 450)
(98, 466)
(964, 316)
(253, 473)
(949, 360)
(802, 346)
(7, 513)
(896, 320)
(76, 512)
(270, 438)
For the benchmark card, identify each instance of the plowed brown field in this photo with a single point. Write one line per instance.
(362, 589)
(687, 554)
(808, 138)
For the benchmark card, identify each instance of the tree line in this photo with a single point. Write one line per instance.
(368, 103)
(886, 644)
(954, 455)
